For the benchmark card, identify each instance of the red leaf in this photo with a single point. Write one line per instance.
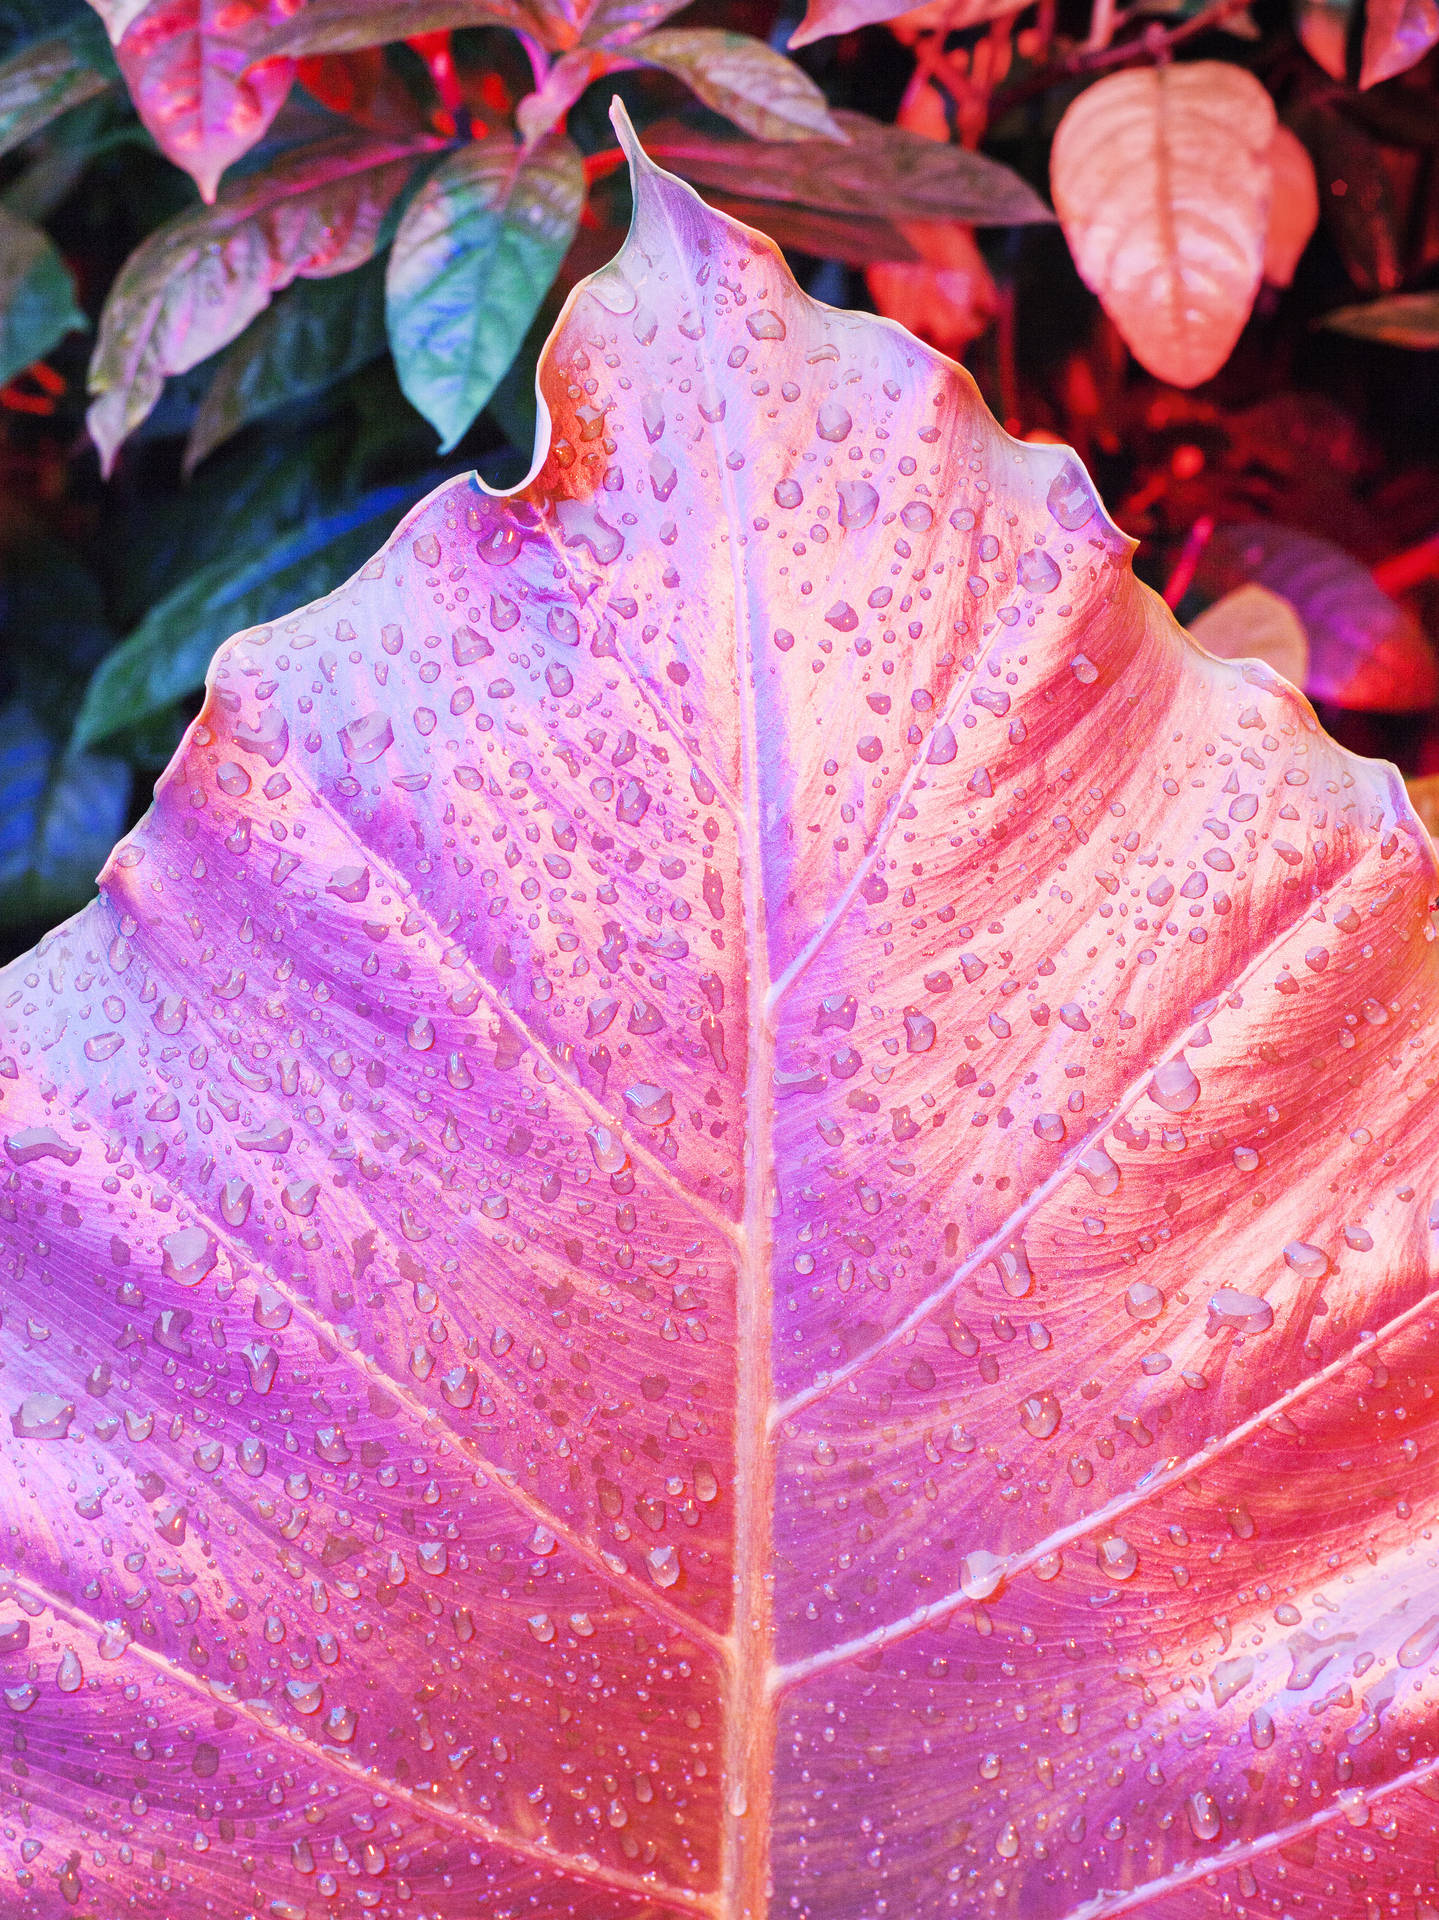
(529, 1301)
(191, 69)
(1397, 35)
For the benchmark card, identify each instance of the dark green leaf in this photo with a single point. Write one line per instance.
(314, 335)
(1403, 320)
(474, 257)
(47, 78)
(744, 80)
(60, 814)
(167, 654)
(37, 296)
(883, 173)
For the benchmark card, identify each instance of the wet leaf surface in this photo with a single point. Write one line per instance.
(735, 1186)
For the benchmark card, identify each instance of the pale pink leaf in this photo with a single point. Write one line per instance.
(1161, 179)
(651, 1270)
(1293, 207)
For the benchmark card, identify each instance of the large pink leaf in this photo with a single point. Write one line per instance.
(733, 1189)
(194, 71)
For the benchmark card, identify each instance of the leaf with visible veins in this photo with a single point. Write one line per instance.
(728, 1210)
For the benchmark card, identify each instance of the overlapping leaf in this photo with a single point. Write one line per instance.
(1364, 649)
(825, 17)
(882, 172)
(198, 281)
(47, 77)
(1162, 181)
(743, 79)
(728, 1211)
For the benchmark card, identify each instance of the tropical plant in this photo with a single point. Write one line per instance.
(667, 1247)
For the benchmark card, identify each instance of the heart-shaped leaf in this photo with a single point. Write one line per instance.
(197, 76)
(715, 1217)
(199, 280)
(1162, 180)
(474, 256)
(1365, 650)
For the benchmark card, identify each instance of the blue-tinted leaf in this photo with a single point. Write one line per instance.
(37, 295)
(59, 816)
(167, 654)
(474, 257)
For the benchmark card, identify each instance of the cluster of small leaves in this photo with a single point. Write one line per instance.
(347, 224)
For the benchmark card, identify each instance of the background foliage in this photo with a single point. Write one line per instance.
(301, 258)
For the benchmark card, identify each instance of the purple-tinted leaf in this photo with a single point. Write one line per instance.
(881, 173)
(1365, 650)
(1397, 35)
(825, 17)
(199, 281)
(653, 1271)
(346, 26)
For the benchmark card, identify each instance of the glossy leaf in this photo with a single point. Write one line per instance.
(1365, 650)
(196, 75)
(346, 26)
(59, 816)
(1161, 179)
(473, 258)
(744, 80)
(165, 657)
(1401, 320)
(1251, 623)
(37, 296)
(882, 173)
(199, 281)
(1293, 207)
(1397, 35)
(825, 17)
(616, 1262)
(313, 336)
(48, 77)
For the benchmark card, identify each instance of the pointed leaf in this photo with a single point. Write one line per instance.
(47, 78)
(744, 80)
(198, 281)
(798, 1090)
(1161, 179)
(1251, 623)
(1365, 650)
(472, 260)
(1323, 29)
(1397, 35)
(1401, 320)
(37, 296)
(314, 335)
(59, 815)
(197, 78)
(165, 657)
(824, 17)
(1293, 207)
(881, 173)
